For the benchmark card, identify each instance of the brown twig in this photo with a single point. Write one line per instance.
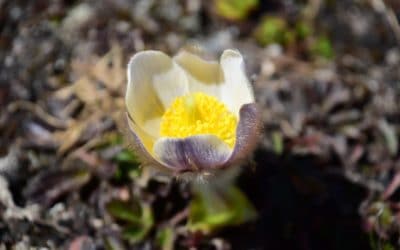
(39, 112)
(388, 13)
(179, 217)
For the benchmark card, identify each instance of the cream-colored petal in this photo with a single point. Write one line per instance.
(225, 80)
(153, 125)
(236, 90)
(143, 143)
(154, 81)
(145, 139)
(204, 76)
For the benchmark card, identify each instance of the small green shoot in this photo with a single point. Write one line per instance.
(322, 47)
(165, 238)
(216, 207)
(271, 30)
(138, 219)
(235, 9)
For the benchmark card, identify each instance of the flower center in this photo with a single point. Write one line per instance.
(198, 113)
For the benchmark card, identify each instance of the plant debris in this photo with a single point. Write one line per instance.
(325, 175)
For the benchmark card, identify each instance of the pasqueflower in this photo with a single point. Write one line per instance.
(187, 114)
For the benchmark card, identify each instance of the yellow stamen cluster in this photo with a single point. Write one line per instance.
(196, 114)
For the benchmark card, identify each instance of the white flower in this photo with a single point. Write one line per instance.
(187, 114)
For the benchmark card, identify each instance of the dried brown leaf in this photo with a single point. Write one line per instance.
(68, 138)
(85, 89)
(110, 70)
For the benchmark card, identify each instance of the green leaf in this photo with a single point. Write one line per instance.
(165, 238)
(136, 233)
(303, 30)
(126, 156)
(388, 246)
(271, 30)
(277, 142)
(289, 37)
(386, 217)
(214, 207)
(128, 165)
(235, 9)
(244, 211)
(124, 211)
(389, 133)
(112, 243)
(139, 219)
(322, 47)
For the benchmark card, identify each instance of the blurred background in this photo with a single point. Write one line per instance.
(324, 176)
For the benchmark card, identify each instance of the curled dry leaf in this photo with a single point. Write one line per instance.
(110, 70)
